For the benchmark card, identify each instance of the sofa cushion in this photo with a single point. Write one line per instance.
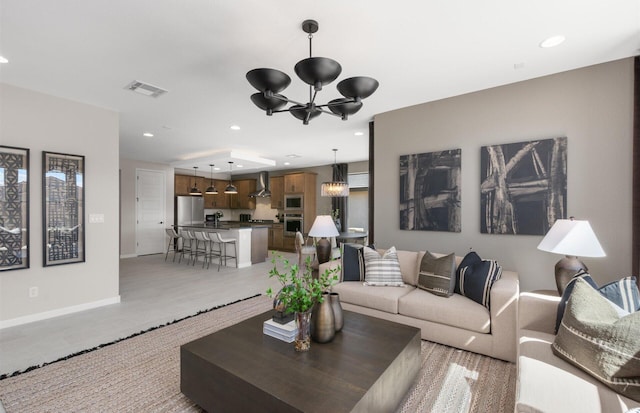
(382, 270)
(409, 266)
(379, 298)
(476, 276)
(456, 311)
(547, 383)
(438, 274)
(594, 338)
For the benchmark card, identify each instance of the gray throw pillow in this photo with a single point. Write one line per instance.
(382, 270)
(594, 338)
(438, 275)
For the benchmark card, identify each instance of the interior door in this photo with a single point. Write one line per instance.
(150, 212)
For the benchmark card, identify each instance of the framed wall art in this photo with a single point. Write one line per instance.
(523, 186)
(63, 208)
(14, 208)
(430, 191)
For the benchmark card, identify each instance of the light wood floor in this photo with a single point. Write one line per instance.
(152, 292)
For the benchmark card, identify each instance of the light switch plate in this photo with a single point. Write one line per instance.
(96, 218)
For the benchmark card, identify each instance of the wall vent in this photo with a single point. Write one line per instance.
(146, 89)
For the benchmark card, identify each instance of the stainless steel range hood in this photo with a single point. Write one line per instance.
(263, 186)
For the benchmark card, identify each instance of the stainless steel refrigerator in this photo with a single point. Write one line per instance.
(189, 210)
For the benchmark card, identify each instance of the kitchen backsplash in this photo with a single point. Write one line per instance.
(263, 211)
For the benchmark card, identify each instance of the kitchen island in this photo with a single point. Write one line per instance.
(251, 239)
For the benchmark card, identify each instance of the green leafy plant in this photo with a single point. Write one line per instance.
(300, 290)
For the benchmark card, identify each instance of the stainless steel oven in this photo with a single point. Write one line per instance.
(293, 223)
(293, 201)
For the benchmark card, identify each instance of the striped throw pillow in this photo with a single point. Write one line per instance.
(476, 277)
(382, 269)
(624, 293)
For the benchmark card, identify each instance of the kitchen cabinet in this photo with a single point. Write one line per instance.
(242, 200)
(294, 183)
(276, 185)
(289, 243)
(276, 236)
(219, 201)
(183, 184)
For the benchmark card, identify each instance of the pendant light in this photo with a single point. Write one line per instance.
(211, 190)
(230, 189)
(335, 188)
(194, 190)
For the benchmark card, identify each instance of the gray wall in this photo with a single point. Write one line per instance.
(592, 107)
(45, 123)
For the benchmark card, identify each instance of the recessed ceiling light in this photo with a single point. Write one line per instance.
(552, 41)
(148, 134)
(239, 166)
(4, 59)
(234, 127)
(287, 163)
(293, 155)
(358, 133)
(216, 169)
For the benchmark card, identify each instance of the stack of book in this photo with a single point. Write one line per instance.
(285, 332)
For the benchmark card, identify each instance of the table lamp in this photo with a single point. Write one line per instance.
(323, 227)
(572, 238)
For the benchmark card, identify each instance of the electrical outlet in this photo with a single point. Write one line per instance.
(33, 292)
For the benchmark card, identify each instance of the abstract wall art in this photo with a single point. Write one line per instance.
(523, 186)
(14, 208)
(63, 208)
(430, 191)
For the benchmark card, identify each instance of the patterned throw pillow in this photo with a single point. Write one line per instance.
(382, 270)
(476, 276)
(438, 275)
(623, 294)
(594, 338)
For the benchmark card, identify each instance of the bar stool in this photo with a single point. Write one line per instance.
(223, 248)
(174, 241)
(202, 247)
(187, 244)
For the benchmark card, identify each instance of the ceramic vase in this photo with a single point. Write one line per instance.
(337, 311)
(322, 321)
(303, 336)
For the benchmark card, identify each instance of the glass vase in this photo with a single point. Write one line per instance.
(303, 336)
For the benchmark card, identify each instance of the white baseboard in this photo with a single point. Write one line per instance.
(58, 312)
(128, 255)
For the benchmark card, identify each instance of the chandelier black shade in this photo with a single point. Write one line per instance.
(316, 72)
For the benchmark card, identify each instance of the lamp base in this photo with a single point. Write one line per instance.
(323, 250)
(565, 269)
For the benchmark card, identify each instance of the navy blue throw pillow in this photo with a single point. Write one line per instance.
(352, 262)
(623, 293)
(476, 276)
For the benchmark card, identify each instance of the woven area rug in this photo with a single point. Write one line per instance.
(142, 374)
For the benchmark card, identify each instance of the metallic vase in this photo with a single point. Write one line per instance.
(337, 311)
(322, 321)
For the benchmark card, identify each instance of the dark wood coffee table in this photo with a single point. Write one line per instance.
(368, 367)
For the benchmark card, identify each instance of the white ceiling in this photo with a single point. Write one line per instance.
(200, 51)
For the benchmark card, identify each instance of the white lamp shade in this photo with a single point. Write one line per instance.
(573, 238)
(323, 226)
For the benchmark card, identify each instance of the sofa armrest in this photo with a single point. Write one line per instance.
(504, 314)
(330, 265)
(538, 310)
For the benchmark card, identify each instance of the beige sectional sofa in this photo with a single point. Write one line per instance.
(455, 321)
(547, 383)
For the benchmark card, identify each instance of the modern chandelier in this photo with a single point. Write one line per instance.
(338, 187)
(316, 72)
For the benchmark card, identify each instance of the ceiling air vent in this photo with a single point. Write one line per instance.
(145, 89)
